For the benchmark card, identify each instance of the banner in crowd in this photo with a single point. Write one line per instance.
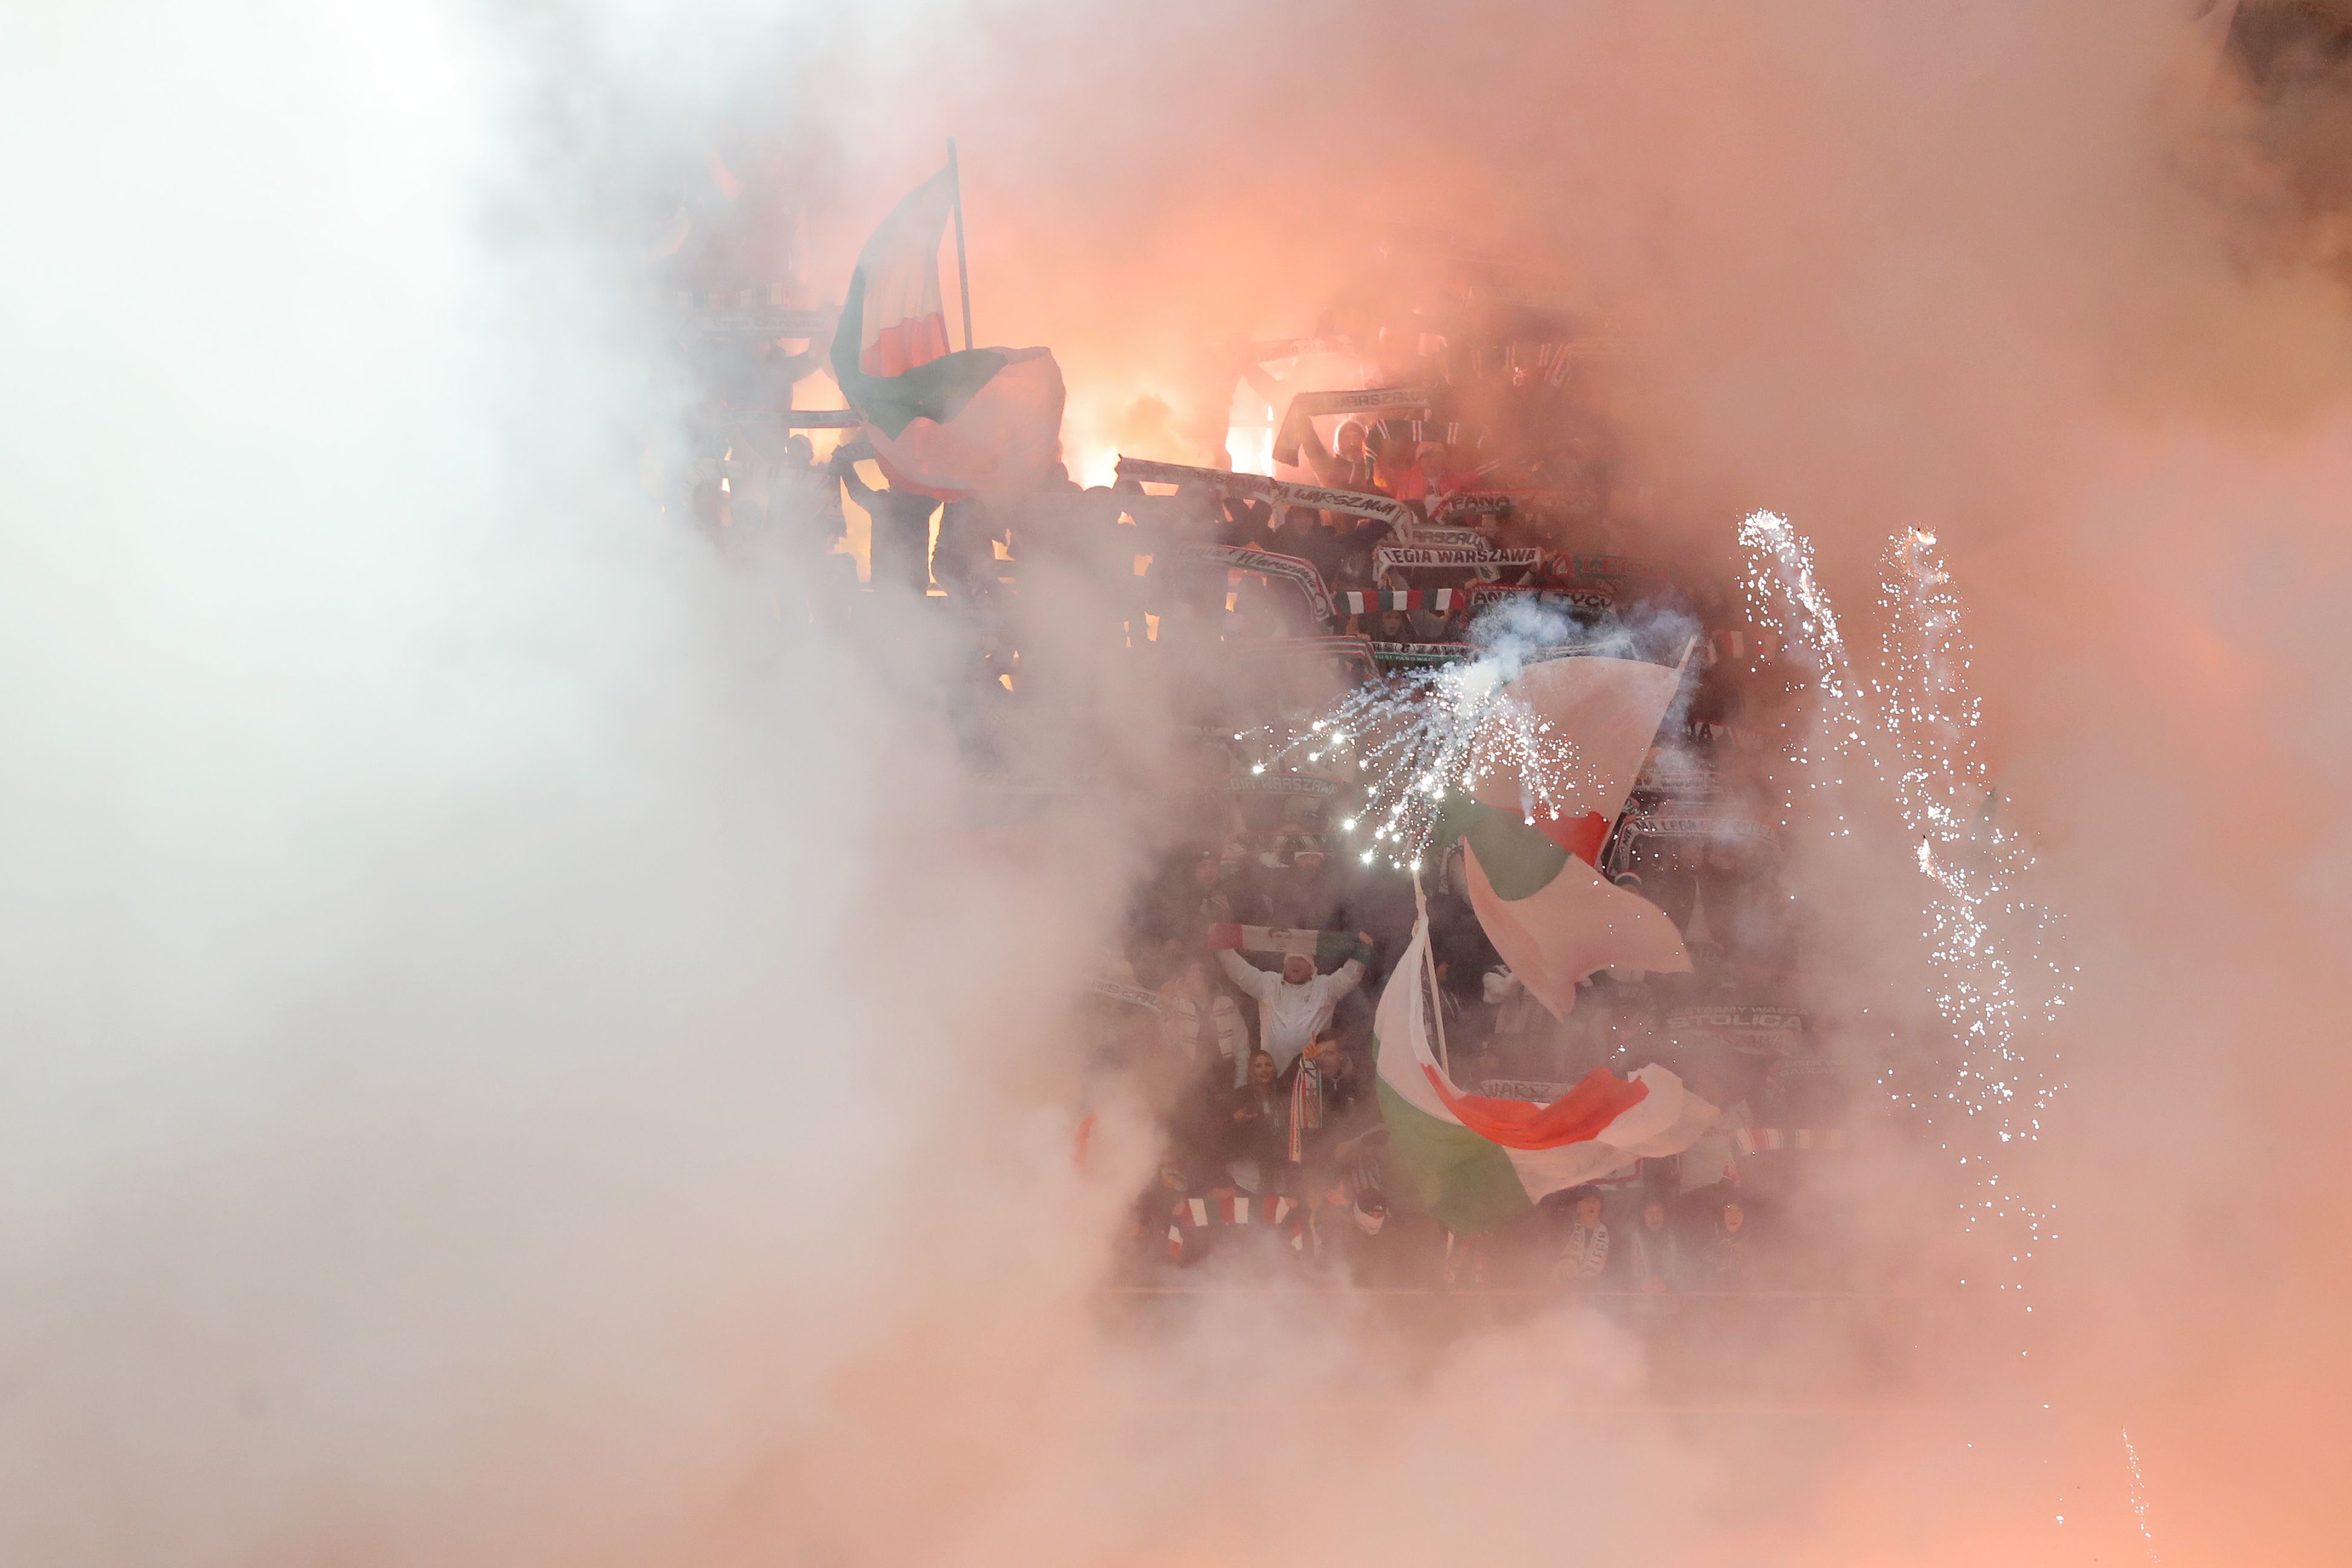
(1476, 1161)
(1473, 504)
(1356, 602)
(1591, 601)
(1297, 419)
(1484, 558)
(1537, 1091)
(1276, 492)
(1752, 1029)
(1323, 946)
(1126, 996)
(1420, 652)
(1432, 536)
(1677, 773)
(1667, 822)
(1300, 574)
(1283, 784)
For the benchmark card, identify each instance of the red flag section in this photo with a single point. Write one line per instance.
(1576, 1117)
(1579, 836)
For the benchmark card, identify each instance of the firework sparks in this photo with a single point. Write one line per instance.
(1914, 729)
(1418, 742)
(2139, 1496)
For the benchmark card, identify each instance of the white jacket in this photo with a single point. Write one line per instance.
(1288, 1016)
(1180, 1026)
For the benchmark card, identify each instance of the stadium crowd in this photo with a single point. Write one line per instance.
(1242, 987)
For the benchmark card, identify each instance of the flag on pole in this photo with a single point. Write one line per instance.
(1554, 918)
(976, 421)
(1476, 1161)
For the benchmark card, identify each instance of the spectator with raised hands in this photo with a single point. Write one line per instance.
(1295, 1006)
(1347, 465)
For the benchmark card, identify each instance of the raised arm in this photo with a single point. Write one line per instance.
(1350, 975)
(1319, 457)
(847, 466)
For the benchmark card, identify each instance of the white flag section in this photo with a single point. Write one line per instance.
(1607, 709)
(1572, 927)
(905, 321)
(978, 421)
(1477, 1161)
(1552, 917)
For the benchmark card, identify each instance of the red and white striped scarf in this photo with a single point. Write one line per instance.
(1306, 1106)
(1356, 602)
(1227, 1207)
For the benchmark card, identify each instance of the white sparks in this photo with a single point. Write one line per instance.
(1426, 740)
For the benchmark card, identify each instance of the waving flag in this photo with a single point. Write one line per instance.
(981, 422)
(1477, 1161)
(1553, 918)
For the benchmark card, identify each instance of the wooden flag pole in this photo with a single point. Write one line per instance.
(964, 273)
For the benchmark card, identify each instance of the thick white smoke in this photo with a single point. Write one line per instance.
(481, 975)
(512, 1052)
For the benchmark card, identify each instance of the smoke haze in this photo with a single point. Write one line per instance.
(515, 1055)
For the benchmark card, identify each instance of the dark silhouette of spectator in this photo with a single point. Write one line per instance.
(1320, 1091)
(1654, 1251)
(1257, 1118)
(1584, 1253)
(1723, 1259)
(899, 549)
(1193, 899)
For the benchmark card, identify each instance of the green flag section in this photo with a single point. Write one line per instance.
(982, 422)
(1553, 918)
(1476, 1161)
(1323, 946)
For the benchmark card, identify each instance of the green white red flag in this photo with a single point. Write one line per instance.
(976, 421)
(1554, 918)
(1477, 1161)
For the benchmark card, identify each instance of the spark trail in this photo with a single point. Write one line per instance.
(1912, 729)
